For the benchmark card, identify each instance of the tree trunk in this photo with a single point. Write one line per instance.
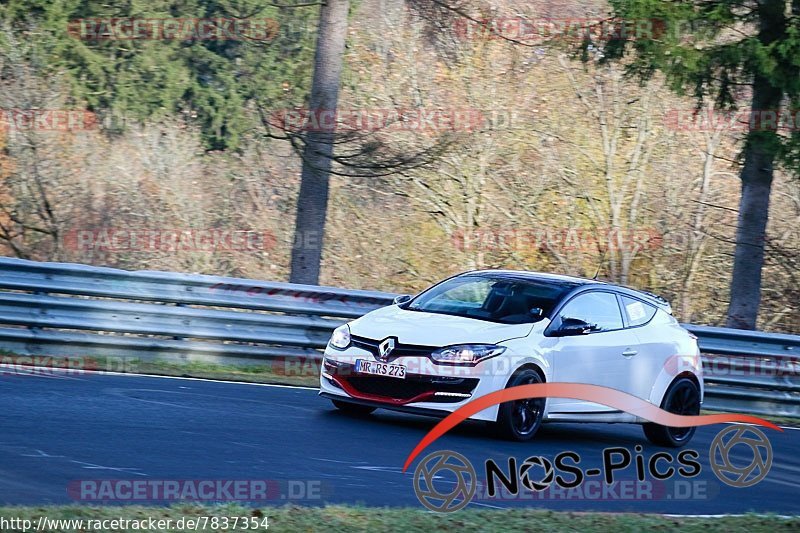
(312, 202)
(759, 156)
(750, 238)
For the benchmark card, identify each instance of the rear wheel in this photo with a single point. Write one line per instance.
(352, 408)
(681, 398)
(520, 420)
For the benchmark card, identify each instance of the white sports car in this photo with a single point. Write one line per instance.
(483, 331)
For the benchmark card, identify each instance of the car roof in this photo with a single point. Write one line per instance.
(575, 283)
(538, 276)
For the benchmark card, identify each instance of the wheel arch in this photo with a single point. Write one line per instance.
(687, 374)
(528, 366)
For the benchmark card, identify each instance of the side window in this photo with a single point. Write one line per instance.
(597, 308)
(638, 313)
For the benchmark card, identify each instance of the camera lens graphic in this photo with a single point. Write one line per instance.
(727, 466)
(536, 463)
(434, 486)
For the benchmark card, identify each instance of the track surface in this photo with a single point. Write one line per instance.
(57, 429)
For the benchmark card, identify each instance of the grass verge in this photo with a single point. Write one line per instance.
(345, 518)
(281, 372)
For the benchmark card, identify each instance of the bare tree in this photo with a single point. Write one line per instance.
(312, 201)
(35, 193)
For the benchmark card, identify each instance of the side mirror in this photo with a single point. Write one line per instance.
(571, 327)
(403, 298)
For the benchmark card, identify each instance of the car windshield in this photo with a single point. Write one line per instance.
(495, 298)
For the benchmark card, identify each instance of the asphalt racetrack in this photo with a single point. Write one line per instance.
(56, 430)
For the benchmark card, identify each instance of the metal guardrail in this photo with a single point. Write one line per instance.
(72, 310)
(750, 371)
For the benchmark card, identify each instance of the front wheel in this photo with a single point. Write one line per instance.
(681, 398)
(520, 420)
(352, 408)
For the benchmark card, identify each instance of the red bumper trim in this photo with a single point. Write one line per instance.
(349, 389)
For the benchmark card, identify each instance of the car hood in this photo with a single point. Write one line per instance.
(433, 329)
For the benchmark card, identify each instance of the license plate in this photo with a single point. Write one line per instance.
(380, 369)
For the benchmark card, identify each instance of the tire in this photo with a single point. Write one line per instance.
(352, 408)
(682, 398)
(520, 420)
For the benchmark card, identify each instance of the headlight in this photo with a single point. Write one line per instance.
(341, 337)
(467, 353)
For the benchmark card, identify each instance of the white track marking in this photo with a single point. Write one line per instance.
(272, 385)
(782, 516)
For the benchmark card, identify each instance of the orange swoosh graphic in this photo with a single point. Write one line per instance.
(590, 393)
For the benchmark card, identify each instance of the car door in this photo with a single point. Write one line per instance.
(656, 345)
(600, 357)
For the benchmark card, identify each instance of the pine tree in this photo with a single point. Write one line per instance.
(212, 80)
(719, 51)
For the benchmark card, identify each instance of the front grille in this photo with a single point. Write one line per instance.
(400, 350)
(412, 386)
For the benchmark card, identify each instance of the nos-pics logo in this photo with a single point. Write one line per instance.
(445, 481)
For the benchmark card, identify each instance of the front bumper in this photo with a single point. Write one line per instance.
(413, 389)
(428, 388)
(435, 413)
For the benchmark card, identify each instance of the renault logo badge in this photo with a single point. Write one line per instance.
(385, 348)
